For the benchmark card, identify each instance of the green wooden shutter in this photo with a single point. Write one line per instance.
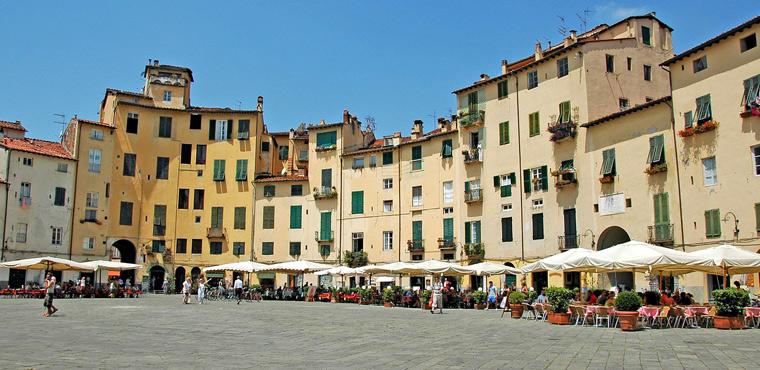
(416, 230)
(416, 152)
(241, 170)
(512, 178)
(217, 217)
(526, 180)
(295, 217)
(357, 202)
(496, 181)
(538, 226)
(447, 148)
(506, 191)
(688, 119)
(240, 218)
(564, 111)
(712, 223)
(325, 227)
(757, 216)
(608, 162)
(268, 217)
(387, 158)
(466, 186)
(219, 169)
(211, 129)
(544, 173)
(467, 233)
(503, 133)
(448, 229)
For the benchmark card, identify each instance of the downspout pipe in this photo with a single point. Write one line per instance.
(675, 152)
(520, 172)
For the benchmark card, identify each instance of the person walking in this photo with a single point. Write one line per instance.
(186, 289)
(201, 289)
(49, 295)
(437, 295)
(491, 295)
(165, 286)
(238, 289)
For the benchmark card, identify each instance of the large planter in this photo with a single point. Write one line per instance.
(364, 303)
(427, 307)
(559, 318)
(728, 322)
(517, 310)
(480, 306)
(628, 320)
(387, 304)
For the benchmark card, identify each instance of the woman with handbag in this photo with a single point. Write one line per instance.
(49, 295)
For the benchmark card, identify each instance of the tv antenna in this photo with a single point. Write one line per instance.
(240, 104)
(562, 28)
(62, 122)
(584, 19)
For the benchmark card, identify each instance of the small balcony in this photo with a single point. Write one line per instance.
(565, 177)
(473, 196)
(416, 245)
(565, 242)
(475, 251)
(25, 201)
(324, 192)
(323, 236)
(473, 155)
(445, 244)
(472, 116)
(661, 234)
(655, 168)
(699, 128)
(562, 131)
(216, 232)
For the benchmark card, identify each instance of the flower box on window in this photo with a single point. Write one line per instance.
(656, 168)
(699, 128)
(607, 179)
(325, 148)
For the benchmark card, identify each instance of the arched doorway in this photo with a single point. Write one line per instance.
(509, 279)
(127, 253)
(157, 274)
(195, 273)
(610, 237)
(179, 278)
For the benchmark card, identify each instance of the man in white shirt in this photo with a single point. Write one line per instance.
(238, 289)
(186, 290)
(437, 295)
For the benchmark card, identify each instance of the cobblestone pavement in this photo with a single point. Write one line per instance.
(159, 332)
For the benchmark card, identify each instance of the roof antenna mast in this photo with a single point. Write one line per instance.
(61, 122)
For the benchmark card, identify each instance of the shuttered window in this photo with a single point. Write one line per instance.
(60, 196)
(662, 217)
(757, 216)
(217, 217)
(448, 229)
(241, 170)
(159, 220)
(357, 202)
(564, 111)
(387, 158)
(467, 232)
(240, 218)
(295, 248)
(416, 230)
(325, 226)
(688, 119)
(532, 79)
(215, 248)
(538, 226)
(608, 162)
(267, 248)
(751, 91)
(269, 190)
(712, 223)
(125, 213)
(646, 35)
(447, 149)
(196, 246)
(704, 109)
(268, 217)
(165, 127)
(416, 158)
(503, 89)
(506, 229)
(534, 124)
(327, 139)
(238, 248)
(162, 168)
(503, 133)
(129, 164)
(656, 150)
(295, 217)
(219, 169)
(243, 129)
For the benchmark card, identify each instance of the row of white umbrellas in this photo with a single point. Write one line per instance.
(61, 264)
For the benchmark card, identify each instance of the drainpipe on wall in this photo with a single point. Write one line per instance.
(520, 172)
(675, 152)
(398, 165)
(5, 218)
(74, 198)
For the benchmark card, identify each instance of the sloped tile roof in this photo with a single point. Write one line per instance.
(37, 146)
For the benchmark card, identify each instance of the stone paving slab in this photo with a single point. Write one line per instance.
(160, 332)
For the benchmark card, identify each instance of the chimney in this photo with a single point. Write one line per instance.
(504, 65)
(484, 77)
(574, 35)
(539, 52)
(346, 117)
(155, 63)
(444, 124)
(417, 129)
(260, 104)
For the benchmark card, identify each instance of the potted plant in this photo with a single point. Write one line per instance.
(730, 304)
(607, 179)
(364, 296)
(479, 297)
(425, 300)
(388, 296)
(559, 299)
(516, 299)
(627, 305)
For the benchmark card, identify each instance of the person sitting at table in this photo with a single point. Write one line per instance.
(590, 298)
(542, 297)
(602, 298)
(684, 299)
(665, 300)
(737, 285)
(610, 301)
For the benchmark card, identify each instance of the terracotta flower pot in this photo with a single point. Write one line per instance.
(480, 306)
(728, 322)
(517, 310)
(364, 303)
(427, 307)
(559, 318)
(628, 320)
(387, 304)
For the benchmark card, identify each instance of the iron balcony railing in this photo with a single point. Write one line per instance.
(472, 115)
(323, 236)
(568, 241)
(325, 192)
(472, 155)
(661, 234)
(216, 232)
(416, 245)
(473, 196)
(446, 244)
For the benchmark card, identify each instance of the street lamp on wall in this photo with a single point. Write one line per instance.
(736, 224)
(593, 238)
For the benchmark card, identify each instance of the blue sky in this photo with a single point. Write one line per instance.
(396, 61)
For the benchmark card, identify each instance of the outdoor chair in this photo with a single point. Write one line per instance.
(710, 317)
(578, 313)
(689, 318)
(662, 318)
(528, 312)
(602, 314)
(540, 311)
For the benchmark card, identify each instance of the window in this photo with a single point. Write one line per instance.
(88, 242)
(751, 92)
(220, 130)
(26, 161)
(447, 148)
(700, 64)
(219, 169)
(57, 235)
(215, 248)
(646, 35)
(267, 248)
(239, 218)
(129, 164)
(537, 203)
(372, 161)
(756, 157)
(132, 121)
(710, 171)
(532, 79)
(506, 229)
(244, 129)
(535, 179)
(448, 230)
(200, 154)
(357, 242)
(688, 119)
(656, 150)
(387, 240)
(125, 213)
(417, 233)
(269, 190)
(91, 200)
(198, 198)
(448, 192)
(181, 247)
(325, 226)
(629, 63)
(610, 60)
(295, 248)
(712, 223)
(538, 226)
(268, 217)
(165, 127)
(503, 89)
(167, 96)
(326, 140)
(704, 109)
(472, 232)
(159, 220)
(238, 248)
(303, 155)
(623, 103)
(162, 168)
(757, 217)
(90, 215)
(195, 123)
(357, 202)
(608, 162)
(534, 124)
(448, 210)
(747, 43)
(417, 196)
(564, 111)
(387, 206)
(94, 160)
(562, 68)
(196, 246)
(241, 170)
(296, 190)
(21, 233)
(416, 158)
(283, 152)
(387, 158)
(295, 217)
(506, 207)
(358, 163)
(63, 167)
(503, 133)
(387, 183)
(186, 154)
(60, 196)
(96, 134)
(265, 146)
(647, 73)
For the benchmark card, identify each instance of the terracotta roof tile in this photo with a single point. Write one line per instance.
(713, 40)
(12, 125)
(42, 147)
(282, 178)
(626, 112)
(97, 123)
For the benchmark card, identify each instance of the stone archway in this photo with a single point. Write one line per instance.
(179, 278)
(157, 275)
(127, 253)
(610, 237)
(509, 279)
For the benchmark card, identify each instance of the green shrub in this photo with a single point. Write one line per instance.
(627, 301)
(559, 299)
(426, 294)
(366, 294)
(479, 296)
(389, 295)
(516, 298)
(731, 301)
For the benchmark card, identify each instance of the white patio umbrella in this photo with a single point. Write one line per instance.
(111, 265)
(393, 267)
(636, 256)
(247, 266)
(729, 259)
(558, 261)
(296, 266)
(492, 268)
(47, 264)
(337, 271)
(363, 269)
(436, 267)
